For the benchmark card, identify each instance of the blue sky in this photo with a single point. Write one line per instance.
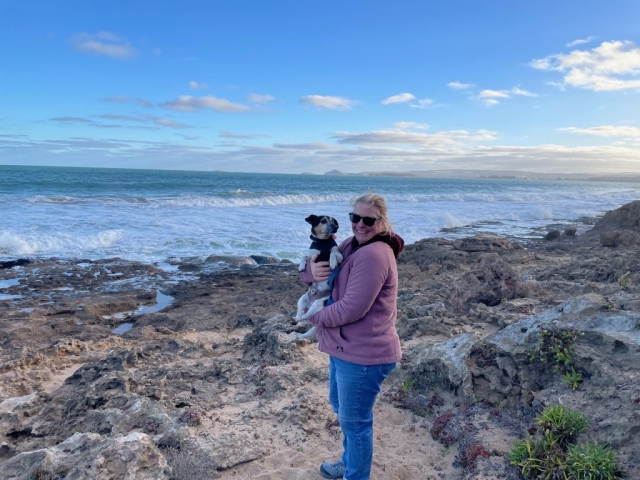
(309, 86)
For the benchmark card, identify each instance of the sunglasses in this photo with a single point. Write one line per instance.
(368, 221)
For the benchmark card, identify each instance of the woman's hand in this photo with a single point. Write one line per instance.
(319, 271)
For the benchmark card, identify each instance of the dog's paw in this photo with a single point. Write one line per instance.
(335, 260)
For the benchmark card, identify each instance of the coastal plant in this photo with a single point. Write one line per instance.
(471, 454)
(555, 347)
(563, 423)
(538, 457)
(591, 461)
(408, 385)
(551, 455)
(573, 378)
(625, 280)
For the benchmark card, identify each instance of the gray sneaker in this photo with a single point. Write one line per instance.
(333, 470)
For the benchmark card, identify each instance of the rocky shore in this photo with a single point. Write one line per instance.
(112, 369)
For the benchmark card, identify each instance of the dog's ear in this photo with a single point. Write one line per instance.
(312, 219)
(336, 222)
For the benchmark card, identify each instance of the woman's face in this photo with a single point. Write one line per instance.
(360, 230)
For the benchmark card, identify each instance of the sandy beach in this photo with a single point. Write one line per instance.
(116, 369)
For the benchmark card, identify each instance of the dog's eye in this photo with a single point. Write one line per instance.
(324, 220)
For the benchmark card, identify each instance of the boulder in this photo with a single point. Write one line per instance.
(617, 238)
(483, 243)
(627, 217)
(433, 254)
(444, 365)
(274, 341)
(231, 260)
(89, 455)
(489, 282)
(552, 235)
(264, 260)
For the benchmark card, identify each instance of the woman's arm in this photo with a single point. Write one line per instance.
(315, 271)
(367, 277)
(320, 271)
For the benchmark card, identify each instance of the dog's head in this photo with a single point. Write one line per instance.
(322, 226)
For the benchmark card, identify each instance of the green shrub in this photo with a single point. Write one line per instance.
(591, 461)
(554, 348)
(562, 422)
(538, 458)
(573, 378)
(551, 456)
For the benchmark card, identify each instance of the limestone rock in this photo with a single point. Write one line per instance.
(232, 260)
(273, 341)
(445, 365)
(91, 456)
(489, 282)
(483, 243)
(552, 235)
(232, 448)
(616, 238)
(627, 217)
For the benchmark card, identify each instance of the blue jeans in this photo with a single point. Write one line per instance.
(353, 390)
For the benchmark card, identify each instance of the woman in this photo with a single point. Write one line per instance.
(358, 330)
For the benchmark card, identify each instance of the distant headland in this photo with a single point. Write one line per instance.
(500, 174)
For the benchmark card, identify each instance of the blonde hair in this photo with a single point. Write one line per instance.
(377, 201)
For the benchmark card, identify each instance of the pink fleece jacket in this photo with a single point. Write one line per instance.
(359, 326)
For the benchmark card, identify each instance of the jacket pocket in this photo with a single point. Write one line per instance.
(342, 337)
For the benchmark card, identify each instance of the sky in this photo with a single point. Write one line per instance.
(308, 86)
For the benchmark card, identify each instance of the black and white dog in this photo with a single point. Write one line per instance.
(323, 229)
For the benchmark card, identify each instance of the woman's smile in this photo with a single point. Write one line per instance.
(360, 230)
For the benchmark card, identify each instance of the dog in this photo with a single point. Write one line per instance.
(323, 229)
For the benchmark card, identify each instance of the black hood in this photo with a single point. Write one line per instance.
(395, 241)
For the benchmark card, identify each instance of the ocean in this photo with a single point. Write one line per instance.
(157, 215)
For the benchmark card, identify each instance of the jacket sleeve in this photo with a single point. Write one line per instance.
(366, 278)
(305, 275)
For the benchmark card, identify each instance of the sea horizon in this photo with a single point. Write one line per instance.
(158, 215)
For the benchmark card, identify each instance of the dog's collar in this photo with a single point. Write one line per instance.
(316, 239)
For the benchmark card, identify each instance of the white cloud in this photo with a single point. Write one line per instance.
(490, 102)
(407, 98)
(490, 97)
(459, 86)
(400, 98)
(318, 157)
(524, 93)
(494, 94)
(606, 131)
(187, 103)
(581, 41)
(198, 86)
(416, 139)
(104, 43)
(493, 97)
(332, 103)
(611, 66)
(421, 103)
(258, 98)
(556, 84)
